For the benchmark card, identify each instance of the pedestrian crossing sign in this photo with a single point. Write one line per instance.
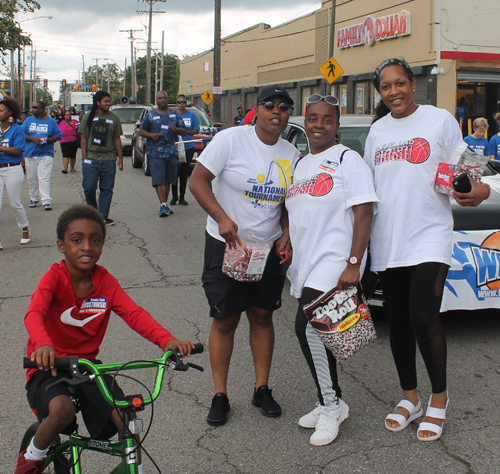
(207, 97)
(331, 70)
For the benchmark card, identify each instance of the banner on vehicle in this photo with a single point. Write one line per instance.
(473, 280)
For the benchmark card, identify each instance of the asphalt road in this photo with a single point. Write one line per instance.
(158, 262)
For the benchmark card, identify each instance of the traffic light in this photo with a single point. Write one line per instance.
(78, 87)
(45, 83)
(94, 88)
(64, 82)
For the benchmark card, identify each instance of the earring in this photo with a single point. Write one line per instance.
(337, 137)
(11, 119)
(413, 90)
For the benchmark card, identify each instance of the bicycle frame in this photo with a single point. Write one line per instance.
(127, 448)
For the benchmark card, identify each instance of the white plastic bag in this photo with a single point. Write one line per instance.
(181, 151)
(246, 262)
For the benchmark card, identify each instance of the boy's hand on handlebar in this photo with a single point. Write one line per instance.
(45, 357)
(183, 346)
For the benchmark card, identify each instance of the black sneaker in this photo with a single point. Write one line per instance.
(183, 201)
(217, 415)
(263, 398)
(173, 201)
(109, 221)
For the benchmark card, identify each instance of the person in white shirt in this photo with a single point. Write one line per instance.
(411, 237)
(330, 208)
(253, 169)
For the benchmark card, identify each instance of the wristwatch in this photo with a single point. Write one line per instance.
(353, 261)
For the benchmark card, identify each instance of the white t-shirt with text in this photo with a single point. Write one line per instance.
(414, 223)
(319, 205)
(252, 181)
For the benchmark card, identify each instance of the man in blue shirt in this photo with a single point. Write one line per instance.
(162, 127)
(41, 132)
(193, 128)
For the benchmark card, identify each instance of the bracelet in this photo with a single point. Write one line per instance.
(489, 190)
(283, 231)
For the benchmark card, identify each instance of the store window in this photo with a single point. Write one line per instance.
(364, 94)
(340, 91)
(306, 93)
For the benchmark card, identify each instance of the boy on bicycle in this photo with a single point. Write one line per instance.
(68, 316)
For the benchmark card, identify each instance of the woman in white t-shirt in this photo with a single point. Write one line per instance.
(330, 211)
(253, 169)
(411, 238)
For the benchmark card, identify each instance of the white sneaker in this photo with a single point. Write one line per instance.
(327, 426)
(311, 419)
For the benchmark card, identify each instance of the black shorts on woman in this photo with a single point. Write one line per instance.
(228, 297)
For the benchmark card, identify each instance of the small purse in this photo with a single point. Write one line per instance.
(342, 320)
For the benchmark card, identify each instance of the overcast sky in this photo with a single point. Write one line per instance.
(91, 28)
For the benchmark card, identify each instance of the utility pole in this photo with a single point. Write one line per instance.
(332, 30)
(162, 58)
(216, 80)
(148, 57)
(83, 70)
(124, 77)
(97, 71)
(133, 80)
(12, 75)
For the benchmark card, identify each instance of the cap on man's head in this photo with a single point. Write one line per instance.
(239, 108)
(274, 91)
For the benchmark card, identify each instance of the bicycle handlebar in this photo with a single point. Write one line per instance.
(74, 364)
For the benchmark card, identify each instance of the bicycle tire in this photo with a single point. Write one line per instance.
(58, 466)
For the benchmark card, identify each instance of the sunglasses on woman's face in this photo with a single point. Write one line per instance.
(182, 102)
(329, 99)
(270, 105)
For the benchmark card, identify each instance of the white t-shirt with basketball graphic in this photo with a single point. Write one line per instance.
(414, 223)
(319, 205)
(252, 181)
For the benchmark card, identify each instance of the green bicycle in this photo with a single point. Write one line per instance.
(64, 457)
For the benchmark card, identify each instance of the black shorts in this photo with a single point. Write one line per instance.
(96, 412)
(69, 149)
(228, 297)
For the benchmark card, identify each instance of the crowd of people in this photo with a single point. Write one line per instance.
(314, 214)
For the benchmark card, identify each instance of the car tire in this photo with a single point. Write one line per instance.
(136, 163)
(147, 169)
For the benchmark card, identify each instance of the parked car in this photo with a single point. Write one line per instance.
(129, 114)
(473, 281)
(139, 144)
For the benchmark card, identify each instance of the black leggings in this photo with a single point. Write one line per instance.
(413, 298)
(321, 362)
(183, 174)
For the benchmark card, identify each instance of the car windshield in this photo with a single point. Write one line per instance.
(128, 114)
(352, 137)
(203, 120)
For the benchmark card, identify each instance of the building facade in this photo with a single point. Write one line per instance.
(453, 47)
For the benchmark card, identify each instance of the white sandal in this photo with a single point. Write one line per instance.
(415, 412)
(432, 412)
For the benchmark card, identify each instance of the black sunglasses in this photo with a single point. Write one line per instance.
(35, 107)
(270, 105)
(182, 101)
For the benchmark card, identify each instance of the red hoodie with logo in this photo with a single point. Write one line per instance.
(76, 326)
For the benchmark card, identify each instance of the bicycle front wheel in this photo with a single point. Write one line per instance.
(59, 465)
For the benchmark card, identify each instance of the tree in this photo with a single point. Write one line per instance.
(11, 35)
(171, 77)
(107, 70)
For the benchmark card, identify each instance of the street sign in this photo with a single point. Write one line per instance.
(217, 90)
(207, 97)
(331, 70)
(2, 91)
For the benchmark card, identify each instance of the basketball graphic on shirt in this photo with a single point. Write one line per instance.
(420, 151)
(492, 242)
(323, 185)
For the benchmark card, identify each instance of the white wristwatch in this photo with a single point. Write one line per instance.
(353, 261)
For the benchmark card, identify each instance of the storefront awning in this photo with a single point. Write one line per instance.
(478, 76)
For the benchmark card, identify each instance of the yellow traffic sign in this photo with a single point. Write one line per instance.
(3, 93)
(331, 70)
(207, 97)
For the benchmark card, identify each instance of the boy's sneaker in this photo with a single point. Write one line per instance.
(33, 203)
(263, 398)
(327, 426)
(217, 415)
(109, 221)
(47, 207)
(311, 419)
(27, 466)
(163, 211)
